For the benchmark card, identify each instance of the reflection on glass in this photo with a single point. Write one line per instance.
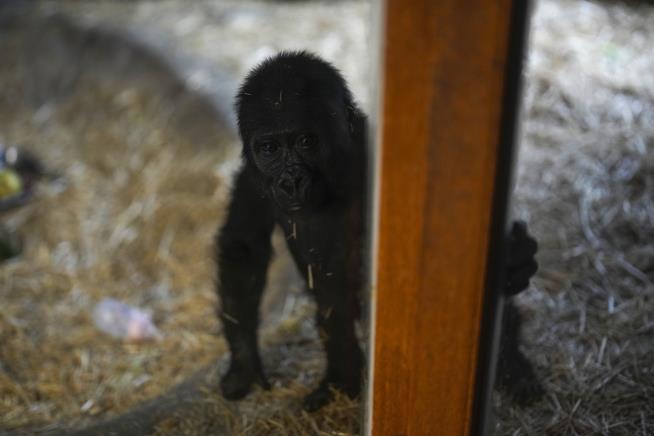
(585, 186)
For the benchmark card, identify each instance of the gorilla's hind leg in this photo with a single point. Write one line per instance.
(515, 374)
(345, 361)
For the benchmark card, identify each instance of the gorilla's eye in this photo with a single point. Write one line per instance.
(306, 141)
(268, 148)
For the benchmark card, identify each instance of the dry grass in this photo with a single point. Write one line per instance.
(134, 221)
(141, 201)
(586, 186)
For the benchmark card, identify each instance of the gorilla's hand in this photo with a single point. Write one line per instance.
(521, 264)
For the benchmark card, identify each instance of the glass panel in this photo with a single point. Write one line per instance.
(120, 159)
(584, 187)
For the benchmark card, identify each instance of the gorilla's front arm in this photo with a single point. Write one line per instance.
(244, 251)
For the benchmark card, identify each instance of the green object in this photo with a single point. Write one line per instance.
(10, 245)
(10, 183)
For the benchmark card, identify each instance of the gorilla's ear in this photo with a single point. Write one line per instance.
(356, 121)
(351, 112)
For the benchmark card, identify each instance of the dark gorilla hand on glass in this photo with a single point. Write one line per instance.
(515, 374)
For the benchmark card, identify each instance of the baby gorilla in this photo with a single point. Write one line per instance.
(304, 151)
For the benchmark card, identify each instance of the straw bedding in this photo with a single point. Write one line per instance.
(586, 186)
(134, 216)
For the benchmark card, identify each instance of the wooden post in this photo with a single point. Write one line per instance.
(449, 81)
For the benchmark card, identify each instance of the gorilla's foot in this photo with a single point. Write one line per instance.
(238, 382)
(324, 394)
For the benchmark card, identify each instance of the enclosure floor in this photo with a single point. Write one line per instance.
(137, 212)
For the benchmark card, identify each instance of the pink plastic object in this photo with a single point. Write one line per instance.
(123, 321)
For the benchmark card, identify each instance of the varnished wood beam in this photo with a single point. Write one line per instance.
(447, 113)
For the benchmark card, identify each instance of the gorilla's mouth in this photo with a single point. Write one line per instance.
(287, 203)
(292, 200)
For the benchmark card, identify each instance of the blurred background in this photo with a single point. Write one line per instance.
(118, 146)
(585, 185)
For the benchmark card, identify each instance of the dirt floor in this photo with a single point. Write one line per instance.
(143, 191)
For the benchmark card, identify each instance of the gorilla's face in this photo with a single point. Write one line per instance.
(287, 160)
(294, 116)
(296, 157)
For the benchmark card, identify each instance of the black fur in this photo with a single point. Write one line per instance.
(515, 374)
(304, 148)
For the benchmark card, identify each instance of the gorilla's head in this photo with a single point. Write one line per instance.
(297, 121)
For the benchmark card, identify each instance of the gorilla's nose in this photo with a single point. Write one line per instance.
(292, 184)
